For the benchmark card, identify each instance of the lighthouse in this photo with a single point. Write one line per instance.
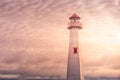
(73, 67)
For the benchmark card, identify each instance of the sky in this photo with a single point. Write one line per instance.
(34, 37)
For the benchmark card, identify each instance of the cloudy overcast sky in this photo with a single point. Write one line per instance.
(34, 36)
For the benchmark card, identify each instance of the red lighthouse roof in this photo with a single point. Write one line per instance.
(74, 16)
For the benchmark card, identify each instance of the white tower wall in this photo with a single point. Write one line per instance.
(73, 58)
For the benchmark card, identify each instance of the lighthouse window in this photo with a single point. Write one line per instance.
(72, 20)
(75, 50)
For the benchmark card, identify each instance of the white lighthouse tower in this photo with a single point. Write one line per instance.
(73, 69)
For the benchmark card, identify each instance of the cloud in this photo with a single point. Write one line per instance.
(34, 33)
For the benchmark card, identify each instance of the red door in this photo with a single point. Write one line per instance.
(75, 50)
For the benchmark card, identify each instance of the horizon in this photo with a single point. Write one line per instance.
(9, 76)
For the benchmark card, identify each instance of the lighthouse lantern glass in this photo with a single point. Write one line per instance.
(74, 20)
